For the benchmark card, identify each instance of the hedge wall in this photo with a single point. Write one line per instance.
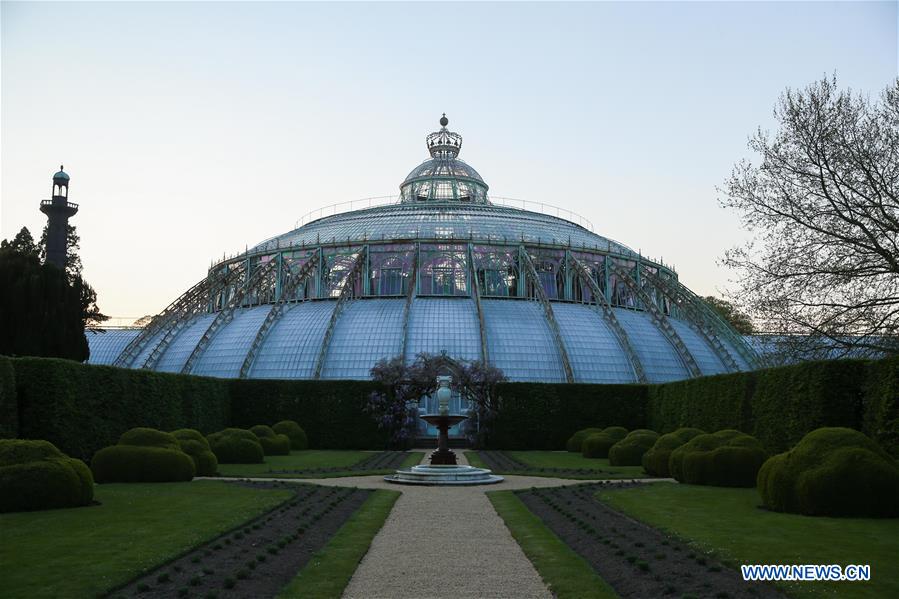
(778, 405)
(81, 408)
(331, 412)
(545, 415)
(880, 404)
(9, 406)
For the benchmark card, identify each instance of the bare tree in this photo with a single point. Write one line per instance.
(823, 264)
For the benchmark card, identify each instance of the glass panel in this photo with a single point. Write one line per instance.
(443, 270)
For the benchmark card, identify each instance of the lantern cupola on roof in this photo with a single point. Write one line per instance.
(444, 178)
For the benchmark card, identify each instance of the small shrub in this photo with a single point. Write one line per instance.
(294, 432)
(576, 440)
(131, 463)
(655, 461)
(597, 445)
(35, 475)
(236, 446)
(727, 458)
(832, 472)
(629, 451)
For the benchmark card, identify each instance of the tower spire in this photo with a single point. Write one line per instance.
(58, 210)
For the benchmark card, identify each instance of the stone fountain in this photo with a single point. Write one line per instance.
(443, 470)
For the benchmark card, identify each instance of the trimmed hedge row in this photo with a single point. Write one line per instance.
(9, 406)
(82, 408)
(545, 415)
(331, 412)
(779, 406)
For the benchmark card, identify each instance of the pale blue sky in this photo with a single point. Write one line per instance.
(193, 129)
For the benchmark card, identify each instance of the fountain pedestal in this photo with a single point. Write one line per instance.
(443, 455)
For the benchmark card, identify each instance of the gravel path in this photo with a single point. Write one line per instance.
(444, 542)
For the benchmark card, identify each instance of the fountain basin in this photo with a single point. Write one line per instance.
(444, 475)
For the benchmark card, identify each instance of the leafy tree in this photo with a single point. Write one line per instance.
(41, 311)
(395, 406)
(22, 243)
(73, 244)
(823, 207)
(92, 315)
(479, 385)
(738, 319)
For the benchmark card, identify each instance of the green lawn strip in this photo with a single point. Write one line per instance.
(83, 552)
(563, 570)
(474, 459)
(565, 460)
(729, 524)
(330, 569)
(308, 460)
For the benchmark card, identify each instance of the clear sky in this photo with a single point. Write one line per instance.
(195, 129)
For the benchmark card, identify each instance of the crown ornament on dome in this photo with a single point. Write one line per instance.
(444, 144)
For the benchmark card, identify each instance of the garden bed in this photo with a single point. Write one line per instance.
(324, 464)
(261, 556)
(383, 460)
(635, 559)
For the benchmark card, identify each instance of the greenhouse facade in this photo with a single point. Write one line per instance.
(443, 268)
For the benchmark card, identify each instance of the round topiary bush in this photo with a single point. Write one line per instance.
(575, 442)
(236, 446)
(149, 437)
(655, 461)
(185, 434)
(629, 451)
(194, 444)
(832, 472)
(294, 432)
(205, 462)
(597, 445)
(272, 443)
(136, 464)
(35, 475)
(727, 458)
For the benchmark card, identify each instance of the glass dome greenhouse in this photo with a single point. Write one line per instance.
(443, 268)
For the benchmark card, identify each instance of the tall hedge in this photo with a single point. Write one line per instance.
(778, 406)
(545, 415)
(880, 404)
(82, 408)
(331, 412)
(9, 406)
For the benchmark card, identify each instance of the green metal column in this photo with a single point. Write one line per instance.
(278, 281)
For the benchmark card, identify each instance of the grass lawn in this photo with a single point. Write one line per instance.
(728, 523)
(330, 570)
(86, 551)
(564, 460)
(564, 571)
(311, 459)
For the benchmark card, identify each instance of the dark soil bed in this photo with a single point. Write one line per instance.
(636, 559)
(260, 557)
(500, 461)
(383, 460)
